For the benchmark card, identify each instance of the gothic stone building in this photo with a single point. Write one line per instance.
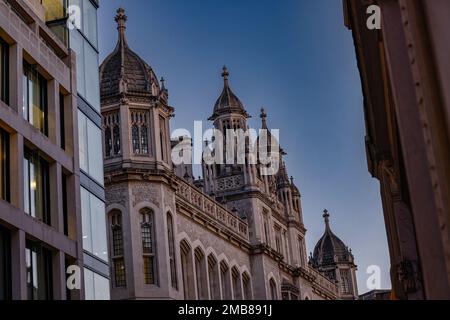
(235, 234)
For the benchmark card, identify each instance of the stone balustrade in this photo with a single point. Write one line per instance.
(213, 209)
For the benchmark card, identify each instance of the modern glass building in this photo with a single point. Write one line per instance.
(83, 39)
(52, 211)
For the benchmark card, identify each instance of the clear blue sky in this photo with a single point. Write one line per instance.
(295, 58)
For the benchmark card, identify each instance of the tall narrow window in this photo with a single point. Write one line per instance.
(172, 261)
(4, 166)
(39, 272)
(278, 245)
(213, 273)
(225, 280)
(65, 205)
(246, 284)
(236, 280)
(162, 137)
(144, 139)
(4, 71)
(36, 187)
(200, 271)
(266, 228)
(108, 142)
(35, 98)
(116, 136)
(301, 252)
(117, 250)
(62, 121)
(140, 132)
(187, 271)
(346, 282)
(5, 265)
(148, 246)
(111, 129)
(135, 139)
(273, 290)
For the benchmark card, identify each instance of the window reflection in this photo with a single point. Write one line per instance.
(90, 142)
(39, 272)
(96, 286)
(94, 225)
(56, 18)
(4, 166)
(4, 72)
(35, 98)
(36, 187)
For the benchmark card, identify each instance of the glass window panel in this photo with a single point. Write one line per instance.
(82, 137)
(34, 98)
(89, 291)
(95, 154)
(86, 220)
(92, 81)
(101, 287)
(98, 218)
(36, 197)
(4, 165)
(96, 286)
(4, 72)
(94, 225)
(90, 22)
(77, 44)
(38, 272)
(54, 9)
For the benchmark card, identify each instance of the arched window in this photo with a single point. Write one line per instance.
(116, 135)
(246, 284)
(346, 283)
(273, 290)
(148, 246)
(144, 140)
(236, 281)
(213, 273)
(172, 261)
(200, 270)
(108, 142)
(117, 249)
(187, 271)
(140, 132)
(225, 280)
(135, 139)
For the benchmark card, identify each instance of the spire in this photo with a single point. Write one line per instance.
(264, 118)
(228, 102)
(225, 75)
(326, 216)
(121, 20)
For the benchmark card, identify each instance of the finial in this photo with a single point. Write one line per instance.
(225, 74)
(292, 180)
(121, 20)
(263, 116)
(326, 216)
(163, 83)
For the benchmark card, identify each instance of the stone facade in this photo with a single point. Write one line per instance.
(405, 76)
(235, 234)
